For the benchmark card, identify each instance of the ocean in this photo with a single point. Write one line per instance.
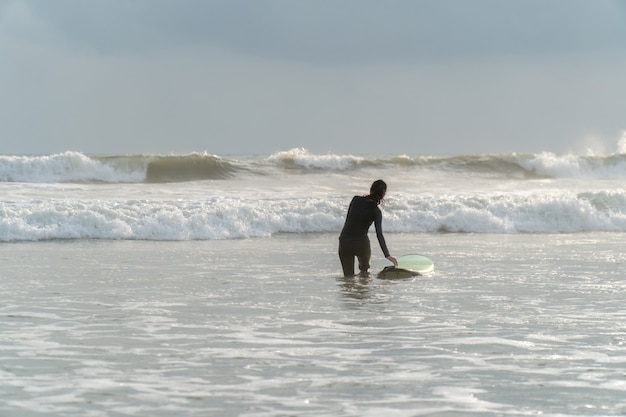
(201, 285)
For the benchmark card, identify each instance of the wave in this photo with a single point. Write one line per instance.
(234, 218)
(301, 159)
(192, 167)
(513, 165)
(78, 167)
(65, 167)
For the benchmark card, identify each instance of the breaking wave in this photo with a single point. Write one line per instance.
(78, 167)
(234, 218)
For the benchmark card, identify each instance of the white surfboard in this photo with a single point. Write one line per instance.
(408, 266)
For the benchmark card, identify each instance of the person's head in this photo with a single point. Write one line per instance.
(377, 191)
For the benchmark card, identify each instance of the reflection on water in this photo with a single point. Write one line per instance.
(355, 287)
(361, 289)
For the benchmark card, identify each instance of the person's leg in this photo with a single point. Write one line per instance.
(346, 256)
(364, 255)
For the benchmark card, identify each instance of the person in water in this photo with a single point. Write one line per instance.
(353, 240)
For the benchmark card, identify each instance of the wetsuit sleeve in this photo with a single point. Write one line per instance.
(378, 224)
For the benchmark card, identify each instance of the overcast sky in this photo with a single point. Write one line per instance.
(429, 77)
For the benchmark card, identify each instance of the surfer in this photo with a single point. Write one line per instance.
(353, 240)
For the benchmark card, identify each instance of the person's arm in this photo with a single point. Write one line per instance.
(378, 224)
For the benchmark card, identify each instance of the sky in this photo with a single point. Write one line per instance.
(361, 77)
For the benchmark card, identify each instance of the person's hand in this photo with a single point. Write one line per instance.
(393, 260)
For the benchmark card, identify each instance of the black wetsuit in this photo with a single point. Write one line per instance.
(353, 240)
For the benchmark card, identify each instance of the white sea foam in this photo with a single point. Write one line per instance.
(231, 218)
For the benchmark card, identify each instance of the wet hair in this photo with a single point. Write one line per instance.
(377, 191)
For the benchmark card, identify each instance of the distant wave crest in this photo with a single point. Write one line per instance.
(513, 165)
(300, 158)
(78, 167)
(192, 167)
(63, 167)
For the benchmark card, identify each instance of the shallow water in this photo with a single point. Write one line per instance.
(507, 325)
